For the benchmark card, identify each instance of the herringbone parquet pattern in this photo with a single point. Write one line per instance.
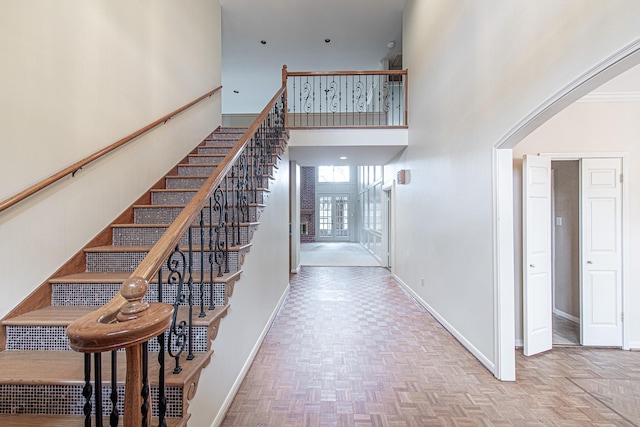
(350, 348)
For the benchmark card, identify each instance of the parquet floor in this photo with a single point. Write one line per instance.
(350, 348)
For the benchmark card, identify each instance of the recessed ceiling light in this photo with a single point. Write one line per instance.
(343, 158)
(327, 40)
(263, 41)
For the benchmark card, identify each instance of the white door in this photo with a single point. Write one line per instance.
(333, 217)
(536, 235)
(601, 256)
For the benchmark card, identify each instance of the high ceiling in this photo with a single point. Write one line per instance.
(295, 31)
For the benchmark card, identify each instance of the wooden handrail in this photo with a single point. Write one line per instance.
(347, 73)
(97, 331)
(17, 198)
(405, 73)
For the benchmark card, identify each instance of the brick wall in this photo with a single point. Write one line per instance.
(308, 202)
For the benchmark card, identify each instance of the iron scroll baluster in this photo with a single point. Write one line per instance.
(97, 376)
(115, 414)
(87, 390)
(176, 264)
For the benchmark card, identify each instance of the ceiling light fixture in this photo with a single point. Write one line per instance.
(343, 158)
(263, 41)
(391, 44)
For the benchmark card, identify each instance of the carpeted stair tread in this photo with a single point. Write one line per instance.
(63, 315)
(54, 315)
(147, 248)
(35, 367)
(119, 277)
(47, 420)
(143, 226)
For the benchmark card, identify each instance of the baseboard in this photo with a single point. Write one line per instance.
(453, 331)
(519, 343)
(567, 316)
(296, 270)
(634, 346)
(247, 364)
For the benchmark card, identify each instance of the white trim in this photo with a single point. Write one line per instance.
(567, 316)
(634, 345)
(612, 66)
(247, 364)
(503, 250)
(611, 97)
(626, 305)
(453, 331)
(626, 301)
(297, 269)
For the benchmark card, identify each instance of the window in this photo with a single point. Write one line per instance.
(333, 174)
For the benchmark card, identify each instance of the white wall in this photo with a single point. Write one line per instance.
(476, 69)
(76, 77)
(254, 303)
(591, 127)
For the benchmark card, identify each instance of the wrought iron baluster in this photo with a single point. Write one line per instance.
(190, 356)
(292, 104)
(211, 254)
(115, 414)
(87, 390)
(232, 206)
(202, 247)
(162, 396)
(220, 249)
(144, 393)
(97, 375)
(226, 220)
(176, 264)
(319, 102)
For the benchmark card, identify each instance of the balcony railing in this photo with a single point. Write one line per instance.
(346, 98)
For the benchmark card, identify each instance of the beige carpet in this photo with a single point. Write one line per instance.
(338, 254)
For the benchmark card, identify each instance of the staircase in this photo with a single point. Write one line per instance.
(42, 379)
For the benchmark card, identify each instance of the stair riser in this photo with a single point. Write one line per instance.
(220, 142)
(168, 215)
(129, 261)
(231, 129)
(214, 149)
(74, 294)
(68, 399)
(196, 170)
(181, 198)
(225, 135)
(205, 160)
(184, 183)
(34, 338)
(150, 236)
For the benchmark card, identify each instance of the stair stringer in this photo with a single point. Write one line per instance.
(256, 299)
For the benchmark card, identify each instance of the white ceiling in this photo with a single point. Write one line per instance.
(295, 31)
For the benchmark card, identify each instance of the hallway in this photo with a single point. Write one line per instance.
(336, 254)
(350, 348)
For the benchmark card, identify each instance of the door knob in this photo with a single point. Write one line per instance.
(589, 262)
(532, 265)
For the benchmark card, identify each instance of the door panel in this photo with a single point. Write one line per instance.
(325, 216)
(537, 304)
(601, 255)
(333, 217)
